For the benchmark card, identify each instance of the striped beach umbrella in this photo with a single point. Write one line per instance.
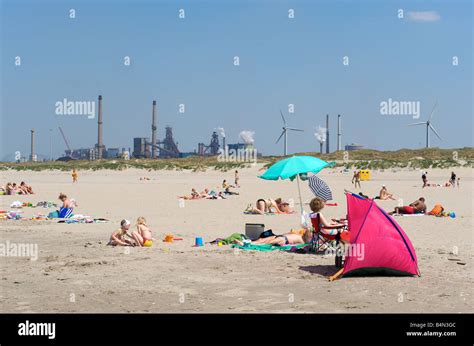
(320, 188)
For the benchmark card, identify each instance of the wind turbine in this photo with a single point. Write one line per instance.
(428, 127)
(285, 133)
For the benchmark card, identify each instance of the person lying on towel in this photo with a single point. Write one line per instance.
(417, 207)
(283, 239)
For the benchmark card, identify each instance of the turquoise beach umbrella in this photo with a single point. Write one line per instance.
(292, 167)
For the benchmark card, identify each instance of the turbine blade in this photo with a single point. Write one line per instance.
(422, 123)
(432, 111)
(293, 129)
(284, 120)
(436, 133)
(280, 136)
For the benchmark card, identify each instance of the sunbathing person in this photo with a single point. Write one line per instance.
(417, 207)
(9, 189)
(384, 194)
(143, 233)
(204, 193)
(119, 237)
(328, 227)
(25, 189)
(269, 206)
(194, 195)
(282, 239)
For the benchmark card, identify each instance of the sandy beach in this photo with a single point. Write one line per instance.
(77, 272)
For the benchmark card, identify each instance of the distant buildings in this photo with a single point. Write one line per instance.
(351, 147)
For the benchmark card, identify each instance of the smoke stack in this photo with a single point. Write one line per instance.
(100, 138)
(339, 134)
(153, 131)
(327, 133)
(32, 156)
(223, 144)
(321, 147)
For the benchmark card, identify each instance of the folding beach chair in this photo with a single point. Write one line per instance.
(329, 242)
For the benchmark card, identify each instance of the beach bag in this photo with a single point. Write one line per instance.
(437, 210)
(53, 215)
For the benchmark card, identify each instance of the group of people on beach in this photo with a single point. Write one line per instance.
(305, 235)
(452, 182)
(269, 206)
(211, 194)
(142, 236)
(14, 189)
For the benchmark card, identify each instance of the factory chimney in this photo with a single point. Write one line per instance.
(153, 131)
(327, 133)
(100, 138)
(339, 134)
(32, 156)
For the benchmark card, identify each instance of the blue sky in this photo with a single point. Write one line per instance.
(282, 61)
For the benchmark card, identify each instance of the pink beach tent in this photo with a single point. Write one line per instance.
(377, 242)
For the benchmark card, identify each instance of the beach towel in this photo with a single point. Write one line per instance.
(64, 213)
(270, 247)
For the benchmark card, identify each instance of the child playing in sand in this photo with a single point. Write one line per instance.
(143, 233)
(119, 236)
(74, 175)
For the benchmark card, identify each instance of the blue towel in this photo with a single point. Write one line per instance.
(65, 212)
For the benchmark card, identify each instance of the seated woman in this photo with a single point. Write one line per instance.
(269, 206)
(194, 195)
(417, 207)
(14, 189)
(283, 239)
(9, 189)
(25, 189)
(327, 227)
(384, 195)
(67, 207)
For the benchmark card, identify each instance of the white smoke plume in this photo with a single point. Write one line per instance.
(221, 131)
(247, 136)
(320, 134)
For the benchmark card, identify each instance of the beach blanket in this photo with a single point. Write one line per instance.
(100, 220)
(283, 213)
(270, 247)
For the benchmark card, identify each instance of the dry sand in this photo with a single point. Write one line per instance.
(76, 271)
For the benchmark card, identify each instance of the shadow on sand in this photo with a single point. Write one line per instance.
(322, 270)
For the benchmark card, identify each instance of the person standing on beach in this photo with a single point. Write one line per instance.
(356, 179)
(453, 179)
(74, 175)
(237, 178)
(424, 178)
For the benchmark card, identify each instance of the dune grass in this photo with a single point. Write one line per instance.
(360, 159)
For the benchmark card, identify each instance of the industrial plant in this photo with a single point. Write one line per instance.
(143, 147)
